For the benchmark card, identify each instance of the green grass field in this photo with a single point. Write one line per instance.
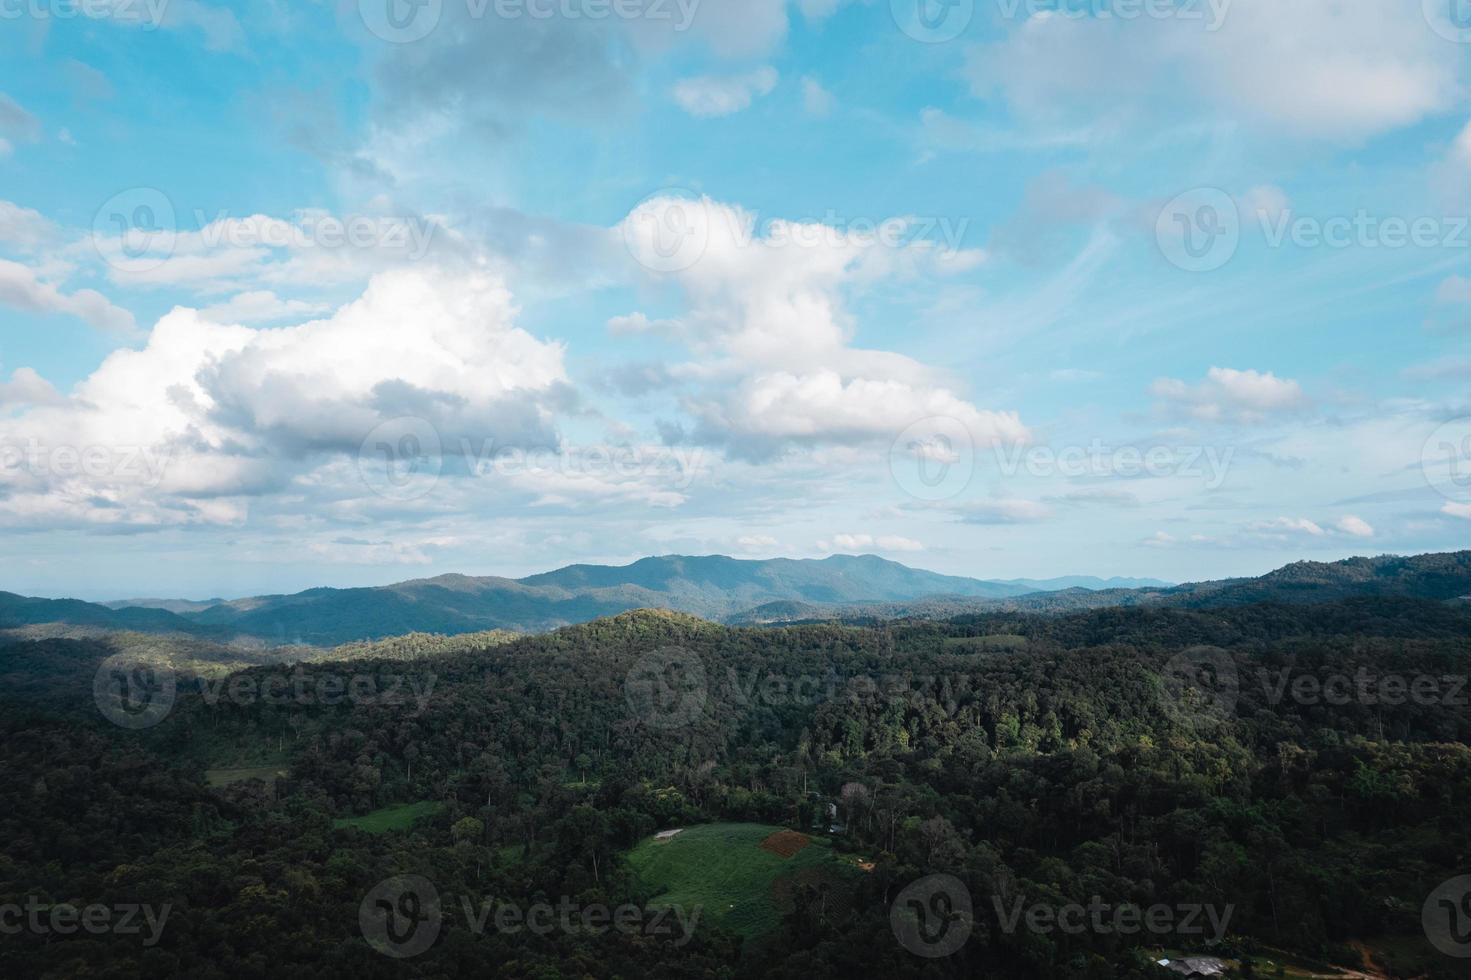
(391, 818)
(723, 869)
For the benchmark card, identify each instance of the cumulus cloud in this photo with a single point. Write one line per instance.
(1355, 526)
(24, 228)
(1453, 509)
(710, 96)
(26, 387)
(22, 289)
(207, 414)
(767, 311)
(1229, 395)
(1314, 68)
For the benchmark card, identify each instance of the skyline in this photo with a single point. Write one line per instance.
(365, 292)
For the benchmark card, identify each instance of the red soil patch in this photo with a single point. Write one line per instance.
(785, 843)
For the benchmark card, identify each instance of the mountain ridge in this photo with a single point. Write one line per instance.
(717, 588)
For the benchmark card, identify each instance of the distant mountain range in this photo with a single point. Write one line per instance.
(716, 588)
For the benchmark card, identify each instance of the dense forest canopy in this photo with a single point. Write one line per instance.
(1035, 796)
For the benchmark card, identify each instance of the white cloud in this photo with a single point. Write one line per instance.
(710, 96)
(24, 228)
(22, 289)
(26, 387)
(1314, 68)
(260, 306)
(853, 543)
(1355, 526)
(210, 414)
(816, 100)
(1229, 395)
(1284, 525)
(767, 312)
(1453, 509)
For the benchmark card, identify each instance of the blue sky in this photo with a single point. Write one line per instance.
(290, 295)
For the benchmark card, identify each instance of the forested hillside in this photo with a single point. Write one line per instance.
(1057, 760)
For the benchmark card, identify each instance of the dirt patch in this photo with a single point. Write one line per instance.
(785, 843)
